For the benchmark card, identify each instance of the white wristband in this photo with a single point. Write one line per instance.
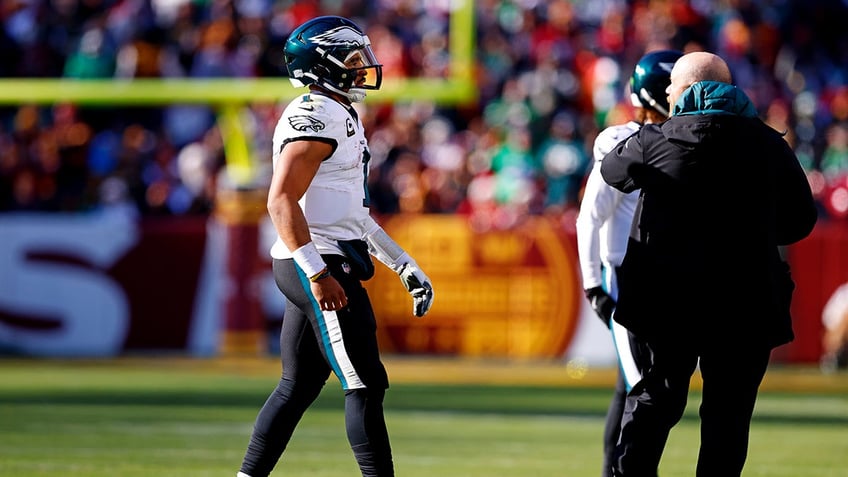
(309, 260)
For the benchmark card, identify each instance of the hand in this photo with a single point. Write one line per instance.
(602, 303)
(418, 285)
(329, 294)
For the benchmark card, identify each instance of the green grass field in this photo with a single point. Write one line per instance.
(185, 418)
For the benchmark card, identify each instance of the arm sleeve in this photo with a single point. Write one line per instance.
(596, 207)
(383, 247)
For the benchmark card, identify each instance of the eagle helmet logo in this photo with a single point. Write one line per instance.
(343, 36)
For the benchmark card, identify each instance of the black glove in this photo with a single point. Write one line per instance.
(601, 302)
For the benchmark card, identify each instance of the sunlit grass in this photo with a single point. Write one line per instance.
(117, 420)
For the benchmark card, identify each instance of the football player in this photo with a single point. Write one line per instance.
(603, 226)
(318, 202)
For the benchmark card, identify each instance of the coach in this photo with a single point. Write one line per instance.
(703, 280)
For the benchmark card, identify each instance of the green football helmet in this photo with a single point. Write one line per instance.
(333, 53)
(650, 78)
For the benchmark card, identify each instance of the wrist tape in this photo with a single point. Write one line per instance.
(309, 260)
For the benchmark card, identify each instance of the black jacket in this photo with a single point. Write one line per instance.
(720, 192)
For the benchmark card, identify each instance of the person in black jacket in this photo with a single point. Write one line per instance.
(703, 281)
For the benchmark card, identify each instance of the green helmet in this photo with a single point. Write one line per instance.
(650, 78)
(333, 53)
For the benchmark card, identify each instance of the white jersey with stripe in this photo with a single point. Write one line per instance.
(336, 203)
(603, 227)
(605, 216)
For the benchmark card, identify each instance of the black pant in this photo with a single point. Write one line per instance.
(731, 378)
(612, 426)
(314, 344)
(630, 351)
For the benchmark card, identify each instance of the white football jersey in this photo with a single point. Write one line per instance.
(603, 223)
(336, 203)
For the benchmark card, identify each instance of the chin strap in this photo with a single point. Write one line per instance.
(355, 95)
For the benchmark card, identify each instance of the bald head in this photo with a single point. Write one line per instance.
(694, 67)
(701, 66)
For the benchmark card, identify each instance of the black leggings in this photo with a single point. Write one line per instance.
(313, 344)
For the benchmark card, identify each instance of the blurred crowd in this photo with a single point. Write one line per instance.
(549, 74)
